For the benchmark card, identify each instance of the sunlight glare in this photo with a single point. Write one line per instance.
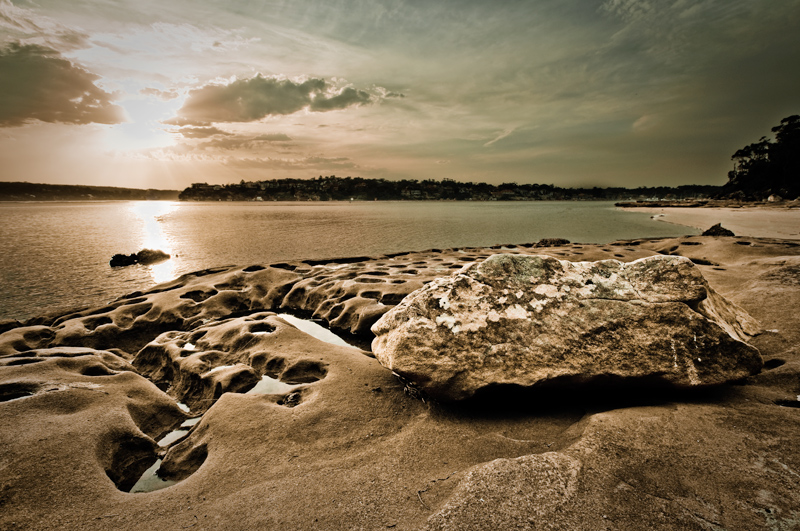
(150, 212)
(145, 129)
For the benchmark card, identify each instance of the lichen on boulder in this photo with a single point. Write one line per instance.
(528, 320)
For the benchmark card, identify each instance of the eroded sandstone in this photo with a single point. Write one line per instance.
(228, 356)
(354, 450)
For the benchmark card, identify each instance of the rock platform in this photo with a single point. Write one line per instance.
(85, 396)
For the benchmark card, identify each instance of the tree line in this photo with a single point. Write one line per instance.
(767, 167)
(333, 188)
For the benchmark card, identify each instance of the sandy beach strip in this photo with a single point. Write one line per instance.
(753, 222)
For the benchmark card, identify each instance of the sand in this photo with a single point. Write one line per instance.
(352, 447)
(755, 222)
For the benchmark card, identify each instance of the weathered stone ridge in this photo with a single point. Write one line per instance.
(527, 320)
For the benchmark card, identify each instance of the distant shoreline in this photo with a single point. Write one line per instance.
(710, 203)
(38, 192)
(60, 200)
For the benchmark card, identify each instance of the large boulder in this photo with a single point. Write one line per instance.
(528, 320)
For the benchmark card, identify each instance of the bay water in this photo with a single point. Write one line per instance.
(55, 256)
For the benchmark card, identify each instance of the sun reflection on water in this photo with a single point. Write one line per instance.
(154, 237)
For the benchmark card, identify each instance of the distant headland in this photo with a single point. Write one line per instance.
(24, 191)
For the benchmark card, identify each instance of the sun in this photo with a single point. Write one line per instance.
(144, 128)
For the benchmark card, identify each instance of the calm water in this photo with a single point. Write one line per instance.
(55, 255)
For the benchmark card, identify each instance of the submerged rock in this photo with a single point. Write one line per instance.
(144, 257)
(528, 320)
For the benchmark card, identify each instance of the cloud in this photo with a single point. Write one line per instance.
(164, 95)
(37, 83)
(501, 136)
(684, 33)
(305, 163)
(346, 98)
(201, 132)
(181, 122)
(629, 9)
(645, 123)
(242, 142)
(272, 137)
(32, 28)
(164, 39)
(215, 138)
(248, 100)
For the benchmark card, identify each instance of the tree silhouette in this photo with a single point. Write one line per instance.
(766, 167)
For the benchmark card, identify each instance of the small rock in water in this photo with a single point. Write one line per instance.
(718, 230)
(527, 320)
(551, 242)
(144, 257)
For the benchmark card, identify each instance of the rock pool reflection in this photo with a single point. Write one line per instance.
(271, 386)
(313, 329)
(150, 481)
(175, 435)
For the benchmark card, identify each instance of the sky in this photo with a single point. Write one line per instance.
(154, 94)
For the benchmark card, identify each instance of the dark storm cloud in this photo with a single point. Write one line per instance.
(248, 100)
(37, 83)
